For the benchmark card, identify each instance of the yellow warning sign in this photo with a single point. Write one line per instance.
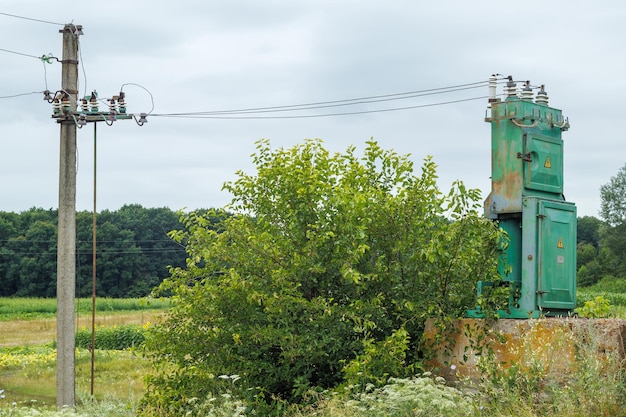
(560, 243)
(547, 164)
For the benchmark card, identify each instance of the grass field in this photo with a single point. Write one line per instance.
(28, 355)
(28, 374)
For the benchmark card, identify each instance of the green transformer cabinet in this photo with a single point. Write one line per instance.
(527, 201)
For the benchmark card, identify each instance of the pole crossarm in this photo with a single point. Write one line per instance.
(88, 109)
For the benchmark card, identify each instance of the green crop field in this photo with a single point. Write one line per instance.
(29, 308)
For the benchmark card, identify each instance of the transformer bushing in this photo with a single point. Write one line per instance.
(526, 200)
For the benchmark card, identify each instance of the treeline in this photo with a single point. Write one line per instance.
(601, 250)
(133, 251)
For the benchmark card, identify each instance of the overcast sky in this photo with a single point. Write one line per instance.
(208, 55)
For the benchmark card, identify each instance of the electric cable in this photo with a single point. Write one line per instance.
(19, 53)
(146, 90)
(256, 112)
(82, 65)
(236, 116)
(312, 107)
(345, 102)
(21, 94)
(31, 19)
(45, 59)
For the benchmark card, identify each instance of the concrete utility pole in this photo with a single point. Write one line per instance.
(66, 255)
(72, 116)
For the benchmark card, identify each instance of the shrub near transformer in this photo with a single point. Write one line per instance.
(329, 262)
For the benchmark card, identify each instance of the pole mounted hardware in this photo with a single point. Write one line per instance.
(87, 109)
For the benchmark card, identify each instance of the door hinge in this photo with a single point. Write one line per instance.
(525, 156)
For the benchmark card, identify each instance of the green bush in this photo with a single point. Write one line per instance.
(599, 307)
(324, 277)
(111, 338)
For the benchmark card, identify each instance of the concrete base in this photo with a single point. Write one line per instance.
(552, 343)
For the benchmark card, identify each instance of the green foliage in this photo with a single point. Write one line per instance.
(613, 211)
(599, 307)
(379, 361)
(600, 250)
(588, 230)
(613, 194)
(609, 288)
(111, 338)
(610, 283)
(134, 251)
(328, 268)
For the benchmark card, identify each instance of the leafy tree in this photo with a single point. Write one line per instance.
(8, 232)
(133, 248)
(588, 230)
(613, 194)
(29, 254)
(613, 211)
(324, 276)
(614, 240)
(133, 251)
(38, 263)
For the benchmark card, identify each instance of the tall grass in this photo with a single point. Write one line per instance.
(25, 308)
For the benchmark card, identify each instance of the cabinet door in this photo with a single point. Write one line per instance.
(543, 164)
(557, 255)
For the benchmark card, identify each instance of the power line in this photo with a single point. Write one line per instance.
(260, 112)
(338, 104)
(20, 53)
(343, 102)
(45, 59)
(235, 116)
(31, 19)
(22, 94)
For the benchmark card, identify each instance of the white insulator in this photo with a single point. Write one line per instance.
(56, 106)
(112, 106)
(66, 104)
(493, 84)
(527, 93)
(542, 97)
(85, 106)
(511, 89)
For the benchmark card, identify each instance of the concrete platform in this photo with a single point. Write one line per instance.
(552, 343)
